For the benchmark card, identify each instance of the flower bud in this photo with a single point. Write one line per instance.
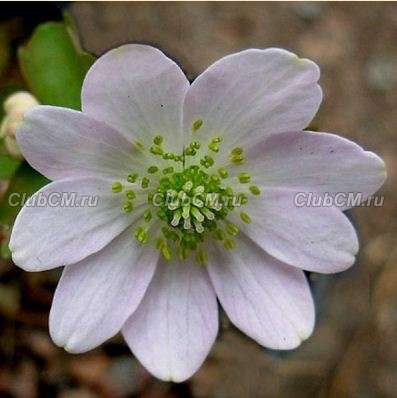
(15, 107)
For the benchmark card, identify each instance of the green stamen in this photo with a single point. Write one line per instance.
(117, 187)
(132, 177)
(156, 150)
(157, 140)
(147, 215)
(197, 125)
(223, 172)
(255, 190)
(244, 178)
(168, 170)
(130, 194)
(232, 229)
(128, 207)
(229, 244)
(145, 182)
(245, 217)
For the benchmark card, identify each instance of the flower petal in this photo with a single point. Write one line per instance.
(174, 327)
(319, 239)
(95, 297)
(315, 162)
(138, 90)
(253, 93)
(49, 234)
(63, 143)
(266, 299)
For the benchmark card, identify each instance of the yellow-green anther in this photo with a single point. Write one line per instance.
(199, 190)
(147, 215)
(243, 198)
(128, 207)
(141, 235)
(195, 145)
(223, 172)
(237, 151)
(208, 213)
(197, 202)
(197, 124)
(202, 257)
(156, 150)
(230, 244)
(219, 234)
(187, 224)
(215, 178)
(237, 159)
(213, 146)
(197, 214)
(145, 182)
(189, 151)
(158, 140)
(229, 191)
(232, 229)
(255, 190)
(207, 161)
(187, 186)
(244, 178)
(245, 217)
(130, 194)
(132, 177)
(198, 226)
(168, 170)
(152, 169)
(166, 251)
(117, 187)
(176, 218)
(186, 212)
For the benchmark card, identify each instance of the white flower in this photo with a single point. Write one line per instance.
(154, 269)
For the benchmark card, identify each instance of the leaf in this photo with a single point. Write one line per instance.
(8, 165)
(54, 65)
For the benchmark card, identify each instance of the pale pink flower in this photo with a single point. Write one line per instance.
(155, 273)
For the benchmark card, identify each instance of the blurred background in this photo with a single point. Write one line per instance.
(353, 351)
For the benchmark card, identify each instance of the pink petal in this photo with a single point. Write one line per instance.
(251, 94)
(319, 239)
(174, 327)
(315, 162)
(63, 143)
(138, 90)
(46, 236)
(96, 296)
(266, 299)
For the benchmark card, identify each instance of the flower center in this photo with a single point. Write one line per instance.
(192, 201)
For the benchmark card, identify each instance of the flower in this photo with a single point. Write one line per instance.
(152, 257)
(15, 107)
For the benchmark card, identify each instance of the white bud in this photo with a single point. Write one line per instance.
(15, 107)
(19, 102)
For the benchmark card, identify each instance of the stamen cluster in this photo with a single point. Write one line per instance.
(192, 201)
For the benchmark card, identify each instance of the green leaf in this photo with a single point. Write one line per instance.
(54, 65)
(8, 165)
(24, 184)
